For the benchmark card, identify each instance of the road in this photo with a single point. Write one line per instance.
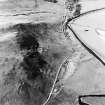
(89, 29)
(86, 29)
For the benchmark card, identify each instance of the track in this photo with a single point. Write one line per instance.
(90, 50)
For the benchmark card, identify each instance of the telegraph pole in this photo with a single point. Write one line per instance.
(36, 3)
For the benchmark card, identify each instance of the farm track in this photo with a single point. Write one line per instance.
(75, 34)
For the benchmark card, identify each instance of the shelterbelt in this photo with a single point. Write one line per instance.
(89, 28)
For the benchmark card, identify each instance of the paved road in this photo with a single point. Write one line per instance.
(89, 29)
